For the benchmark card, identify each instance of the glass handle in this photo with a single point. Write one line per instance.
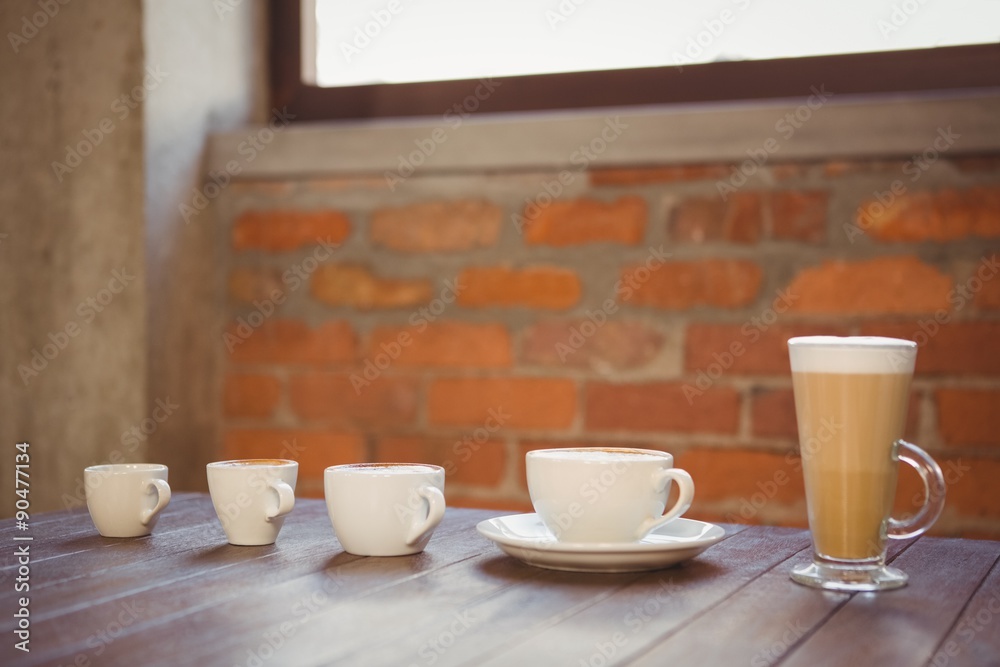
(930, 474)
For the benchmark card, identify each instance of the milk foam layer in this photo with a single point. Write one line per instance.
(250, 463)
(598, 454)
(852, 354)
(385, 469)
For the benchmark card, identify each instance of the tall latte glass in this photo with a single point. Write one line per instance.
(850, 400)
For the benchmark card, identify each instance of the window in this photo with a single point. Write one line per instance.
(372, 58)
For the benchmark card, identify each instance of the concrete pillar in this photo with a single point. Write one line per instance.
(72, 255)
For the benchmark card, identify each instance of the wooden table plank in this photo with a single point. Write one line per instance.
(225, 577)
(760, 620)
(477, 631)
(56, 538)
(184, 596)
(369, 616)
(904, 626)
(764, 619)
(974, 640)
(79, 517)
(628, 622)
(209, 570)
(103, 567)
(248, 602)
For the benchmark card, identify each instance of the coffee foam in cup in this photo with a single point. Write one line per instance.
(595, 454)
(852, 354)
(387, 468)
(246, 463)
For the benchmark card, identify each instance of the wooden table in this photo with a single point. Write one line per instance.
(185, 597)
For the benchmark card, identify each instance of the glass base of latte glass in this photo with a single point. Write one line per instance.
(849, 576)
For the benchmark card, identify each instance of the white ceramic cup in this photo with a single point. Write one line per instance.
(252, 497)
(604, 494)
(384, 509)
(125, 499)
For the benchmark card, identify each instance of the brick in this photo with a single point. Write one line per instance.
(988, 298)
(799, 215)
(283, 230)
(872, 287)
(581, 221)
(582, 343)
(314, 450)
(724, 283)
(971, 484)
(437, 226)
(754, 348)
(351, 399)
(472, 459)
(710, 219)
(357, 287)
(292, 342)
(665, 174)
(941, 215)
(983, 282)
(968, 416)
(977, 163)
(443, 344)
(250, 395)
(738, 475)
(971, 493)
(952, 348)
(248, 284)
(773, 414)
(520, 402)
(660, 406)
(532, 287)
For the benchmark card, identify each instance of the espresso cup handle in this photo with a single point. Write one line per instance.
(435, 512)
(162, 498)
(685, 486)
(934, 490)
(286, 499)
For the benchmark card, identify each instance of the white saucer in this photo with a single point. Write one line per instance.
(526, 538)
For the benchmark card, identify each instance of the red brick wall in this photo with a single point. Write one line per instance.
(463, 320)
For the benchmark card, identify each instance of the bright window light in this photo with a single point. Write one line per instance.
(360, 42)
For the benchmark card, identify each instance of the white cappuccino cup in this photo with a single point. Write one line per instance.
(384, 509)
(605, 494)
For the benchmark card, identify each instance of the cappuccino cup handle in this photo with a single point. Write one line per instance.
(934, 490)
(435, 512)
(286, 499)
(162, 498)
(686, 487)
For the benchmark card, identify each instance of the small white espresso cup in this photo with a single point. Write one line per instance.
(125, 499)
(604, 494)
(252, 497)
(384, 509)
